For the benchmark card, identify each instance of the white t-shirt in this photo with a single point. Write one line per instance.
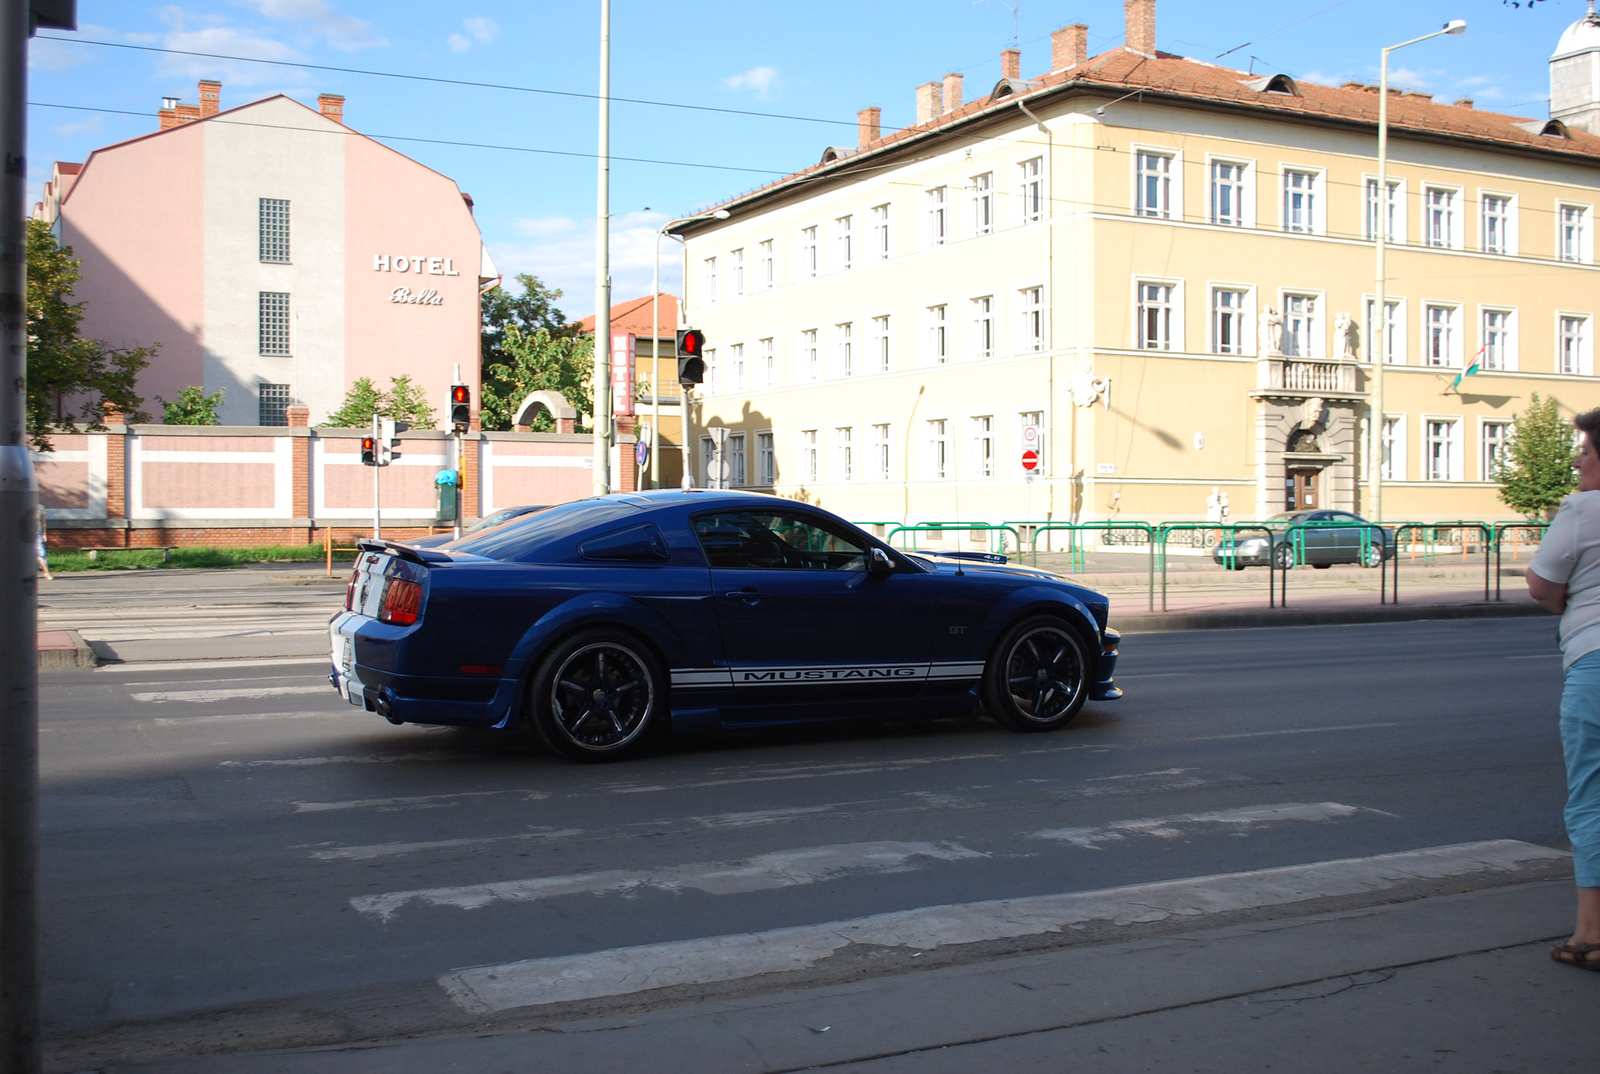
(1570, 555)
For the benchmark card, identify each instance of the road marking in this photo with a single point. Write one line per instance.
(763, 872)
(207, 665)
(422, 801)
(759, 817)
(623, 971)
(1173, 827)
(161, 697)
(1535, 656)
(1167, 779)
(856, 768)
(389, 850)
(1293, 731)
(199, 682)
(249, 717)
(357, 758)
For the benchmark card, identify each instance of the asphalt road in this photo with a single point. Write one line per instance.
(230, 852)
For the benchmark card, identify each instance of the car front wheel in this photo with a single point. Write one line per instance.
(1372, 556)
(1038, 677)
(595, 697)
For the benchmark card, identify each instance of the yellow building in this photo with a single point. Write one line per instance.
(1165, 269)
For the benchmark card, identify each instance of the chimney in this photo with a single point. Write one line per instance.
(1011, 64)
(210, 98)
(1465, 102)
(930, 101)
(1069, 46)
(952, 92)
(1141, 20)
(168, 114)
(331, 105)
(868, 126)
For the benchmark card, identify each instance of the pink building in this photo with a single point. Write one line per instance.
(275, 253)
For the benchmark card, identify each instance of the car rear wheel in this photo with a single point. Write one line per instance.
(1038, 677)
(596, 696)
(1283, 557)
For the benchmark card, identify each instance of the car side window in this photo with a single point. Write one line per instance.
(776, 540)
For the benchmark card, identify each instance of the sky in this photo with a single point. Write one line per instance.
(710, 98)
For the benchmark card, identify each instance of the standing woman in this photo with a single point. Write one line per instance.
(1564, 577)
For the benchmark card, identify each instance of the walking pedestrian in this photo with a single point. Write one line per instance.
(44, 559)
(1564, 577)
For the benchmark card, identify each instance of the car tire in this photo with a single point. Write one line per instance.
(1373, 556)
(1283, 557)
(1037, 677)
(1321, 566)
(596, 696)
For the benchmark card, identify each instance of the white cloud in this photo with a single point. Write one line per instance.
(1409, 78)
(62, 55)
(561, 253)
(459, 42)
(759, 79)
(89, 125)
(189, 32)
(343, 32)
(481, 29)
(1322, 79)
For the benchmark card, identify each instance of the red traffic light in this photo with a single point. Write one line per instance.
(691, 341)
(369, 451)
(459, 393)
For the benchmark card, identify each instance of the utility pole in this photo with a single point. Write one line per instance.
(602, 270)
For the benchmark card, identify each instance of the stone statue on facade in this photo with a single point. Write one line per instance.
(1348, 336)
(1269, 332)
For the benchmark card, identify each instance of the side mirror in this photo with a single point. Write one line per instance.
(879, 563)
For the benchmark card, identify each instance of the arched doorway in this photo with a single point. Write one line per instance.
(1300, 490)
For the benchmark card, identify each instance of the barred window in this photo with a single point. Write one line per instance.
(274, 404)
(275, 230)
(274, 323)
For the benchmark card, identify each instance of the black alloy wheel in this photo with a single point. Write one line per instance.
(1038, 677)
(596, 696)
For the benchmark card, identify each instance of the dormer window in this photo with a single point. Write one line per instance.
(1274, 84)
(1556, 129)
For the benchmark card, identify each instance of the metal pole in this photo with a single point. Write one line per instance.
(377, 512)
(1378, 336)
(19, 611)
(602, 271)
(655, 376)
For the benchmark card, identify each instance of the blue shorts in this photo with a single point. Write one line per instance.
(1580, 744)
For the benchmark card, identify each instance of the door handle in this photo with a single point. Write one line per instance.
(749, 596)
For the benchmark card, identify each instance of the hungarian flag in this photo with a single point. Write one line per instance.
(1472, 367)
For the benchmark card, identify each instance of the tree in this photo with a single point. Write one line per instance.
(1536, 470)
(70, 378)
(404, 401)
(537, 361)
(192, 407)
(530, 311)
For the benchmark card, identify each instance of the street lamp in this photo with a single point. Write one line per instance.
(655, 356)
(1378, 334)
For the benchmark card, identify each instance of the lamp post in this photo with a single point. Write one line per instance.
(602, 270)
(1378, 335)
(655, 355)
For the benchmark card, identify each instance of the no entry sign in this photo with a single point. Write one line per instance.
(1030, 461)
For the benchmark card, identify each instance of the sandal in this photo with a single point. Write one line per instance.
(1577, 954)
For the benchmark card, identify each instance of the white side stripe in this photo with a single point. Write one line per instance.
(789, 674)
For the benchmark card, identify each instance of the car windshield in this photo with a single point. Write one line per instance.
(523, 536)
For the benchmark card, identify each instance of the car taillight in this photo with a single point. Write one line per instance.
(401, 600)
(350, 590)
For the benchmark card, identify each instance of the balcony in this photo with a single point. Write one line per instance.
(1284, 375)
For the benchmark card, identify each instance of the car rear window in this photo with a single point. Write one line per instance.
(523, 538)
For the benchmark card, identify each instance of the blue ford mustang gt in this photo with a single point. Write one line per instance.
(602, 622)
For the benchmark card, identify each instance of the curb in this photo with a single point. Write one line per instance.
(1161, 622)
(65, 649)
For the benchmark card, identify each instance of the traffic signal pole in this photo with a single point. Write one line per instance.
(377, 507)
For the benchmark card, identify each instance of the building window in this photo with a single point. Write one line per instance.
(711, 370)
(810, 367)
(1393, 333)
(735, 367)
(1227, 321)
(808, 455)
(982, 187)
(1496, 224)
(766, 363)
(1499, 345)
(1394, 445)
(938, 466)
(938, 215)
(1300, 329)
(938, 341)
(736, 476)
(1573, 358)
(275, 230)
(1439, 454)
(1154, 195)
(708, 280)
(1574, 234)
(880, 232)
(1443, 344)
(765, 270)
(1030, 319)
(766, 459)
(1227, 193)
(880, 344)
(273, 406)
(808, 252)
(1439, 217)
(880, 452)
(983, 327)
(843, 454)
(843, 347)
(736, 272)
(983, 446)
(274, 332)
(1155, 316)
(1030, 182)
(843, 243)
(1300, 207)
(1393, 208)
(1492, 449)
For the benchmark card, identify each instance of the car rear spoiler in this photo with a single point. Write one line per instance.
(424, 556)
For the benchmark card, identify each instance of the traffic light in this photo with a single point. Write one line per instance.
(460, 407)
(389, 431)
(369, 451)
(691, 361)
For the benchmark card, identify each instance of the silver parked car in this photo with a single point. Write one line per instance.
(1318, 538)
